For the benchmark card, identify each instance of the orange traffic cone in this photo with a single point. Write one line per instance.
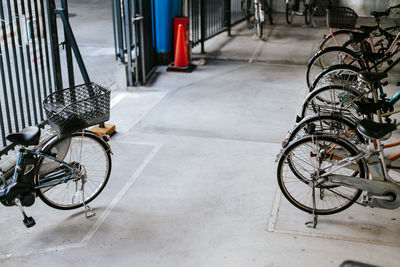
(181, 62)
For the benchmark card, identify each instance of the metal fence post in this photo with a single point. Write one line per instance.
(202, 24)
(228, 15)
(68, 51)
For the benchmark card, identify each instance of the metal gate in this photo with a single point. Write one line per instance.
(30, 63)
(133, 38)
(211, 17)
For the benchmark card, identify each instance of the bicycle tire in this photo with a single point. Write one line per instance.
(330, 198)
(258, 22)
(308, 14)
(341, 36)
(340, 74)
(268, 9)
(331, 98)
(331, 56)
(289, 12)
(327, 123)
(86, 151)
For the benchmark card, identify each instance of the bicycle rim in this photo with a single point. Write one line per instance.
(305, 158)
(88, 154)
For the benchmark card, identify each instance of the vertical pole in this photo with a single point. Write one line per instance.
(120, 33)
(8, 64)
(202, 24)
(71, 38)
(142, 49)
(228, 15)
(134, 29)
(30, 71)
(40, 58)
(46, 49)
(128, 42)
(114, 28)
(68, 51)
(58, 84)
(33, 37)
(22, 60)
(16, 71)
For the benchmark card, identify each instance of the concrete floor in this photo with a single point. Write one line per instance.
(193, 180)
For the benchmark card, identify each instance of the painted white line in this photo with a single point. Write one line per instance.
(274, 213)
(339, 238)
(40, 251)
(120, 194)
(117, 99)
(102, 218)
(256, 51)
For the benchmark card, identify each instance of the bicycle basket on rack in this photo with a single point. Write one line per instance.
(341, 17)
(78, 107)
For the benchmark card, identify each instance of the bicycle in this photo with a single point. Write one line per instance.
(258, 8)
(325, 174)
(292, 9)
(70, 167)
(345, 19)
(364, 53)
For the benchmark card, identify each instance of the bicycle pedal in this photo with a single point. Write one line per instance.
(29, 222)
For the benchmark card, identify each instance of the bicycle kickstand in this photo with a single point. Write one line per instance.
(314, 222)
(28, 221)
(89, 212)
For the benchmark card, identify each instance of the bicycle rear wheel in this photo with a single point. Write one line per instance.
(341, 74)
(85, 152)
(302, 164)
(327, 123)
(331, 98)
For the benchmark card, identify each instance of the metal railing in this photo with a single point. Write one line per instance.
(30, 62)
(211, 17)
(133, 38)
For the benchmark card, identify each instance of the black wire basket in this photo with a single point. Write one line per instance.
(77, 108)
(341, 18)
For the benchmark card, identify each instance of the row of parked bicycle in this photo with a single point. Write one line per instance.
(334, 156)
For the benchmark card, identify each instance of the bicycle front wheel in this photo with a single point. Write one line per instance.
(308, 14)
(289, 11)
(337, 38)
(259, 21)
(86, 153)
(301, 166)
(329, 57)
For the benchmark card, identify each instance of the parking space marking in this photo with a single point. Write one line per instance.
(272, 227)
(120, 194)
(104, 215)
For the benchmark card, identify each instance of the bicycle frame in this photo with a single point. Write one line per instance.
(18, 166)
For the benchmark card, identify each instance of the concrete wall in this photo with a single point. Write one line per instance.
(362, 7)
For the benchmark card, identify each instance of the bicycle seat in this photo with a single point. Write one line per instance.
(358, 36)
(27, 137)
(375, 130)
(366, 107)
(378, 14)
(372, 77)
(368, 29)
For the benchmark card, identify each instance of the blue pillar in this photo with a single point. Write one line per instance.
(164, 12)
